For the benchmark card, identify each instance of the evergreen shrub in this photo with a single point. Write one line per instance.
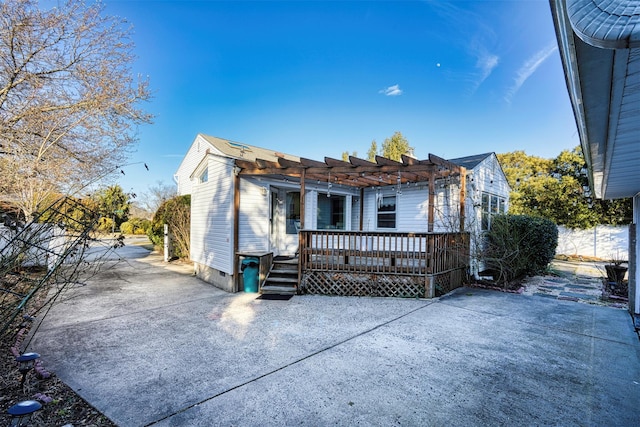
(519, 245)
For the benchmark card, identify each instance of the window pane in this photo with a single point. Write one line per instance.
(337, 212)
(503, 206)
(388, 204)
(485, 202)
(293, 212)
(494, 204)
(204, 177)
(331, 212)
(386, 220)
(387, 212)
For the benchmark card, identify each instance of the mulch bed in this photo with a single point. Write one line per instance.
(60, 404)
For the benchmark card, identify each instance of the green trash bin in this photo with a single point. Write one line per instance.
(250, 269)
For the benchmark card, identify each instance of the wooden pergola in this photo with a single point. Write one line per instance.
(361, 174)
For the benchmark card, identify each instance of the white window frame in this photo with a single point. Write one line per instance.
(379, 204)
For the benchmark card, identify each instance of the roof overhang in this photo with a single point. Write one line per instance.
(600, 49)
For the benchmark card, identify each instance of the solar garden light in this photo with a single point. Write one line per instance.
(26, 362)
(21, 412)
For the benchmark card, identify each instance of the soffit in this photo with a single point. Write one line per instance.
(600, 49)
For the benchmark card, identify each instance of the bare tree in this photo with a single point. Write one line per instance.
(157, 195)
(69, 104)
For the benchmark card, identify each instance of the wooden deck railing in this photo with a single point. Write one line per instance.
(414, 254)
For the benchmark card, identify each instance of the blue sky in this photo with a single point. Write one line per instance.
(315, 79)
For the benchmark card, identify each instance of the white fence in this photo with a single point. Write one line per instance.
(40, 245)
(604, 241)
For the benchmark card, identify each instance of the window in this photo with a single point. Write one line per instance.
(293, 212)
(204, 176)
(331, 212)
(491, 205)
(386, 211)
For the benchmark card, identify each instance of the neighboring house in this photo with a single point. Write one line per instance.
(600, 50)
(246, 199)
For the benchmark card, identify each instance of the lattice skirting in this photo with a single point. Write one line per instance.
(354, 284)
(377, 285)
(446, 282)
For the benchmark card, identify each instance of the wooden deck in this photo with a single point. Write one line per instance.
(382, 263)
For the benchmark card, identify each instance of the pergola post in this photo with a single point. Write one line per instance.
(463, 196)
(302, 200)
(361, 208)
(432, 208)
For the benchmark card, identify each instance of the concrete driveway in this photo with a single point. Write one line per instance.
(149, 344)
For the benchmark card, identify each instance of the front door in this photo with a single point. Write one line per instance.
(275, 222)
(284, 221)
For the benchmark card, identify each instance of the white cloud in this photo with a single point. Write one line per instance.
(528, 68)
(486, 63)
(392, 91)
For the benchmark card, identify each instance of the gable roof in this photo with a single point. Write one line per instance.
(240, 150)
(470, 162)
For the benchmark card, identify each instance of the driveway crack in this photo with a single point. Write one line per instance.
(295, 362)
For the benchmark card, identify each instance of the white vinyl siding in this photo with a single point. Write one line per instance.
(194, 156)
(369, 210)
(447, 207)
(355, 213)
(311, 210)
(486, 177)
(413, 208)
(212, 217)
(253, 224)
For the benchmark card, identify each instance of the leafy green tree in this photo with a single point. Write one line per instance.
(559, 199)
(519, 167)
(135, 226)
(395, 146)
(558, 189)
(345, 155)
(612, 212)
(176, 213)
(373, 151)
(114, 203)
(71, 212)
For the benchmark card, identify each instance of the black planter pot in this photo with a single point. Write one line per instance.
(615, 273)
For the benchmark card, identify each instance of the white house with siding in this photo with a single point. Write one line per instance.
(271, 211)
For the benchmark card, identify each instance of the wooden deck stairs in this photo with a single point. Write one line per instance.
(282, 278)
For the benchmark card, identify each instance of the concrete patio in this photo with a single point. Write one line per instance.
(149, 344)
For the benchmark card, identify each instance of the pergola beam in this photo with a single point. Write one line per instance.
(360, 173)
(356, 172)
